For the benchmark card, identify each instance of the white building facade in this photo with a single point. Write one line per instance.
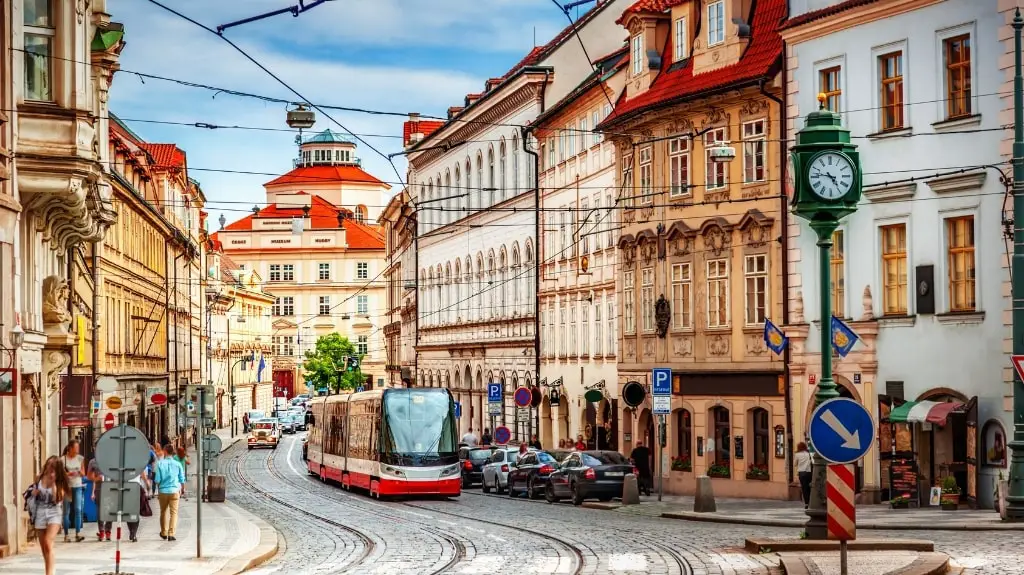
(321, 254)
(920, 270)
(477, 227)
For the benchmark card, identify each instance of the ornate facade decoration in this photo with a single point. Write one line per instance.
(648, 347)
(718, 345)
(55, 364)
(682, 345)
(869, 306)
(55, 301)
(717, 236)
(755, 344)
(662, 315)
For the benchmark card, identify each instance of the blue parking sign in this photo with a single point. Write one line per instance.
(458, 409)
(662, 381)
(494, 392)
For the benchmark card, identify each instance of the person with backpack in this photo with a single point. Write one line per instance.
(44, 501)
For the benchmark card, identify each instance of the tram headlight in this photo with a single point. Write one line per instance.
(451, 470)
(388, 470)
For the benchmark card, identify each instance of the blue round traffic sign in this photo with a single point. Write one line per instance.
(502, 435)
(523, 396)
(841, 430)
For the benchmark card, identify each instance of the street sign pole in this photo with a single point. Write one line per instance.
(661, 392)
(661, 458)
(1015, 495)
(199, 476)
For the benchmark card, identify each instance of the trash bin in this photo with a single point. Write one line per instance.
(215, 488)
(90, 512)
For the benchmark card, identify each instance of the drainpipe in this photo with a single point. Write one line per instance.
(784, 222)
(71, 312)
(95, 319)
(416, 326)
(526, 133)
(167, 340)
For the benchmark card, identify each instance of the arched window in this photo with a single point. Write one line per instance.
(480, 177)
(489, 284)
(502, 284)
(684, 440)
(761, 437)
(517, 274)
(429, 193)
(529, 277)
(478, 299)
(428, 318)
(515, 165)
(722, 435)
(443, 204)
(449, 301)
(501, 171)
(361, 213)
(471, 193)
(441, 296)
(490, 176)
(457, 281)
(457, 191)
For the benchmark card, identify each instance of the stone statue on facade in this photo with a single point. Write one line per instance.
(869, 307)
(55, 301)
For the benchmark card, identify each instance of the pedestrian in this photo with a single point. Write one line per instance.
(535, 441)
(803, 471)
(93, 471)
(580, 445)
(154, 457)
(245, 423)
(486, 438)
(74, 465)
(641, 457)
(170, 483)
(469, 439)
(522, 449)
(45, 503)
(183, 460)
(144, 509)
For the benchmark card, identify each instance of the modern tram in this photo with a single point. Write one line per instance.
(389, 442)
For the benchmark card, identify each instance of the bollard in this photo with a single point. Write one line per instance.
(630, 490)
(704, 498)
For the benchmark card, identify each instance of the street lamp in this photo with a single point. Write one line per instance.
(1015, 491)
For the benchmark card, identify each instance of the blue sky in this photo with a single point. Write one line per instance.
(396, 55)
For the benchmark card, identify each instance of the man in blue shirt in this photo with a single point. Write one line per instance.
(170, 482)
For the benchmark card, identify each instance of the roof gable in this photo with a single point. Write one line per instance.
(323, 215)
(326, 175)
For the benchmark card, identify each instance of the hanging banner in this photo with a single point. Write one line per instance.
(75, 394)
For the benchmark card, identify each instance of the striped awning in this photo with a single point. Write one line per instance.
(922, 411)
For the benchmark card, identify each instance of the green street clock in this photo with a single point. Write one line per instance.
(824, 176)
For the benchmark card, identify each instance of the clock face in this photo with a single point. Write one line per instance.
(831, 175)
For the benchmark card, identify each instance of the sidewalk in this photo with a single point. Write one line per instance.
(232, 541)
(773, 513)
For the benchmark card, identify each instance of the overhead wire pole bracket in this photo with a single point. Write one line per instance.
(294, 10)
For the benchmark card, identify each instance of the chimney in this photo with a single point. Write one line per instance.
(455, 111)
(414, 117)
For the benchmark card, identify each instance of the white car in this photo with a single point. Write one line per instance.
(264, 433)
(495, 471)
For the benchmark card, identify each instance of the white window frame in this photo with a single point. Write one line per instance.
(610, 318)
(647, 175)
(682, 295)
(628, 182)
(942, 271)
(970, 29)
(755, 136)
(595, 119)
(629, 305)
(275, 272)
(584, 329)
(879, 301)
(573, 333)
(288, 272)
(712, 181)
(324, 303)
(678, 157)
(598, 328)
(647, 298)
(563, 313)
(597, 219)
(585, 234)
(757, 276)
(716, 23)
(718, 278)
(877, 52)
(362, 270)
(583, 134)
(362, 345)
(288, 306)
(324, 271)
(680, 37)
(363, 304)
(637, 53)
(49, 33)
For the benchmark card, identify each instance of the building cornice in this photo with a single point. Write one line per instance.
(853, 17)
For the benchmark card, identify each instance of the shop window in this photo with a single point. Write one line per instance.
(720, 420)
(761, 437)
(684, 440)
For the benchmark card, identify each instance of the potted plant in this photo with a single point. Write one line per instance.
(720, 471)
(682, 463)
(950, 499)
(900, 502)
(759, 472)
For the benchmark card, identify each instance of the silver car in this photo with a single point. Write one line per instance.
(495, 471)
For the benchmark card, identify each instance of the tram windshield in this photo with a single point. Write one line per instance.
(420, 428)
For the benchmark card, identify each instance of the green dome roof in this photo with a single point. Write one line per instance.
(328, 137)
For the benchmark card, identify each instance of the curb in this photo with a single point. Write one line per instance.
(265, 549)
(709, 518)
(817, 546)
(925, 564)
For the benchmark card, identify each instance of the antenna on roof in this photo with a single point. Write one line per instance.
(534, 36)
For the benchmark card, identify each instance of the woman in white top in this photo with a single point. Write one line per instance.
(803, 471)
(74, 464)
(46, 496)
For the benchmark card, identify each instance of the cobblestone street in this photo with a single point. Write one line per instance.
(328, 530)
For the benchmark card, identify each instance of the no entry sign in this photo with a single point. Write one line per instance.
(108, 422)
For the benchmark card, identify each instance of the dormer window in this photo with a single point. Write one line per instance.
(680, 36)
(638, 53)
(716, 22)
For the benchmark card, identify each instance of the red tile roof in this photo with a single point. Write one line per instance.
(760, 59)
(425, 127)
(824, 13)
(325, 175)
(323, 215)
(166, 155)
(648, 6)
(538, 52)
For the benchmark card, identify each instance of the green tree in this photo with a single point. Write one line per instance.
(325, 366)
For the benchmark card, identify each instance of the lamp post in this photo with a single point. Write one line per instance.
(1015, 492)
(824, 184)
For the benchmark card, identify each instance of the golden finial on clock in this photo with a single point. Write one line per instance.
(821, 100)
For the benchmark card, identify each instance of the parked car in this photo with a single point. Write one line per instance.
(587, 475)
(264, 433)
(531, 472)
(472, 461)
(495, 471)
(299, 418)
(287, 422)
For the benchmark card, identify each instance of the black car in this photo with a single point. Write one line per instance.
(588, 474)
(531, 472)
(472, 460)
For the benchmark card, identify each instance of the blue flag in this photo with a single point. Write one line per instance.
(774, 338)
(843, 338)
(259, 370)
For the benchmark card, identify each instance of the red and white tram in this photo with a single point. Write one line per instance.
(387, 441)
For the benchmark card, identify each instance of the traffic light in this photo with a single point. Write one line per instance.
(352, 364)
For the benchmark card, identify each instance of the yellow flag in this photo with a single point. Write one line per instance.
(81, 339)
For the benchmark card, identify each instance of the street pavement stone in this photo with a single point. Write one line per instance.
(496, 534)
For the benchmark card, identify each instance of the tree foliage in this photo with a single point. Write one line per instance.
(325, 365)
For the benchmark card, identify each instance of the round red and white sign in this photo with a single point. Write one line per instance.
(108, 422)
(157, 399)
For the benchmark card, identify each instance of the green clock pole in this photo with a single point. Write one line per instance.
(1015, 495)
(822, 139)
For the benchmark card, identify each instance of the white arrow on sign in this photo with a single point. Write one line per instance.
(850, 440)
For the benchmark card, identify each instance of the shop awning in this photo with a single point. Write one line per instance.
(922, 411)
